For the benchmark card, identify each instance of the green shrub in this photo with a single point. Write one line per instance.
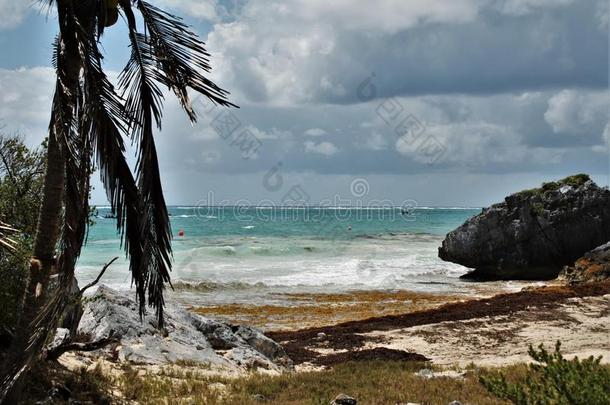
(551, 186)
(21, 181)
(555, 380)
(13, 273)
(576, 180)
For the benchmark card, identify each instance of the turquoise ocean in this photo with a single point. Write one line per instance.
(250, 254)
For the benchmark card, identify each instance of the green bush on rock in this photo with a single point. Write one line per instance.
(575, 180)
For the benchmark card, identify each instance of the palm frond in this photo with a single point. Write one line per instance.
(106, 122)
(181, 57)
(144, 103)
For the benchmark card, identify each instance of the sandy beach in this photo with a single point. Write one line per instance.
(447, 331)
(493, 331)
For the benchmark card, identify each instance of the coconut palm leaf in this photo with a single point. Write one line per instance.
(144, 104)
(172, 56)
(106, 122)
(181, 57)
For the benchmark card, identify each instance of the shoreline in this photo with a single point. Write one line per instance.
(307, 310)
(544, 307)
(291, 311)
(492, 332)
(449, 345)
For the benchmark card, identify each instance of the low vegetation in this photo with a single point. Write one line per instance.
(552, 379)
(21, 171)
(371, 382)
(575, 180)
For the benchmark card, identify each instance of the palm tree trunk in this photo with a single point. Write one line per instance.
(42, 265)
(47, 234)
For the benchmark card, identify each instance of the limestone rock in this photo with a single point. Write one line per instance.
(187, 337)
(343, 399)
(533, 234)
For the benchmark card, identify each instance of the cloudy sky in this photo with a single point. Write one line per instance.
(445, 102)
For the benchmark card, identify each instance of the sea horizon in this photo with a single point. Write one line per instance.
(258, 256)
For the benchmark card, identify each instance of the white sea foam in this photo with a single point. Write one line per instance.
(294, 254)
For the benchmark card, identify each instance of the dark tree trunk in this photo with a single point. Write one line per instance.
(30, 337)
(42, 266)
(43, 262)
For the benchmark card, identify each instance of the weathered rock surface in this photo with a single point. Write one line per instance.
(187, 337)
(533, 233)
(594, 266)
(343, 399)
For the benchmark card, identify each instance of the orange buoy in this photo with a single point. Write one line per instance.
(180, 232)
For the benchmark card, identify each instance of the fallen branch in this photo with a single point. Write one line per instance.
(5, 242)
(56, 352)
(97, 280)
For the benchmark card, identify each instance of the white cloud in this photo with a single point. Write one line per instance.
(322, 148)
(211, 157)
(299, 52)
(605, 147)
(603, 15)
(206, 9)
(521, 7)
(476, 144)
(273, 133)
(373, 141)
(25, 101)
(385, 16)
(272, 52)
(315, 132)
(578, 112)
(13, 12)
(275, 51)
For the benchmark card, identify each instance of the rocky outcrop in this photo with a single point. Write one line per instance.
(187, 337)
(594, 266)
(533, 233)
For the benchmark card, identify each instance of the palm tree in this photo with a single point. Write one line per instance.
(89, 120)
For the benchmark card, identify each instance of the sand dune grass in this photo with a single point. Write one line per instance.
(371, 382)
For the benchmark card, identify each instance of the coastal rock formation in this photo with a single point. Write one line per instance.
(592, 267)
(187, 337)
(533, 233)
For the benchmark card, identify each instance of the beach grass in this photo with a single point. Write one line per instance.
(373, 382)
(370, 382)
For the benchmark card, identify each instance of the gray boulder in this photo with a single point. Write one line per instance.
(343, 399)
(187, 337)
(533, 233)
